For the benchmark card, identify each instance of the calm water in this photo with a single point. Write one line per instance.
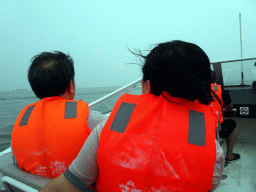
(12, 102)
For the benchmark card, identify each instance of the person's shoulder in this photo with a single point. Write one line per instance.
(211, 109)
(131, 98)
(206, 109)
(79, 101)
(30, 105)
(127, 95)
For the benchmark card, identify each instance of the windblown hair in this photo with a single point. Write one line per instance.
(180, 68)
(50, 73)
(213, 76)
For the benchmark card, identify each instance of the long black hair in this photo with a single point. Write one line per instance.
(180, 68)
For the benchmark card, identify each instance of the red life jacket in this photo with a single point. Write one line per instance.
(48, 135)
(151, 144)
(216, 104)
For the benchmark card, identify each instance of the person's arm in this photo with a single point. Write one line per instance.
(94, 118)
(59, 184)
(83, 170)
(228, 108)
(227, 103)
(218, 166)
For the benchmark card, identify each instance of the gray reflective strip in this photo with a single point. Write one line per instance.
(70, 110)
(122, 117)
(196, 133)
(76, 182)
(215, 88)
(26, 116)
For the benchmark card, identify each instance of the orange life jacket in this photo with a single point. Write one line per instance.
(151, 144)
(48, 135)
(217, 90)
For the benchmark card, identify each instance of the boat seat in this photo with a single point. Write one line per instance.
(12, 172)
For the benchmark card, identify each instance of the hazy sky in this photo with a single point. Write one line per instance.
(97, 33)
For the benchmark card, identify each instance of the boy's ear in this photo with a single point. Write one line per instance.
(72, 86)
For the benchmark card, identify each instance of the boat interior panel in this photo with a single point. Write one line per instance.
(9, 169)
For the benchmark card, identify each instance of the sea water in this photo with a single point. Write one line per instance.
(12, 102)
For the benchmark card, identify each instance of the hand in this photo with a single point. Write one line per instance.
(224, 111)
(228, 108)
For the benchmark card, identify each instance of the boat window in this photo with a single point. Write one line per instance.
(232, 72)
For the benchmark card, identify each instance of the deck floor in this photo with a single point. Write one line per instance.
(240, 175)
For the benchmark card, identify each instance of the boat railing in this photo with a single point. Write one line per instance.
(126, 88)
(129, 87)
(9, 183)
(235, 60)
(229, 70)
(243, 71)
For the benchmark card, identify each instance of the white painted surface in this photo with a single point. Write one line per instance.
(241, 174)
(8, 150)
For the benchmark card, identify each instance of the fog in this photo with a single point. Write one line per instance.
(97, 34)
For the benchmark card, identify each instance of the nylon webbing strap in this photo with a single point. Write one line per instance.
(218, 99)
(24, 120)
(75, 181)
(196, 133)
(122, 117)
(70, 110)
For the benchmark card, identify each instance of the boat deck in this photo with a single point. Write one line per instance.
(240, 175)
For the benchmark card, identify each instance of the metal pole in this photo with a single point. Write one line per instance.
(242, 72)
(234, 60)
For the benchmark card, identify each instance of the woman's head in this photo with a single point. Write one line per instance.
(180, 68)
